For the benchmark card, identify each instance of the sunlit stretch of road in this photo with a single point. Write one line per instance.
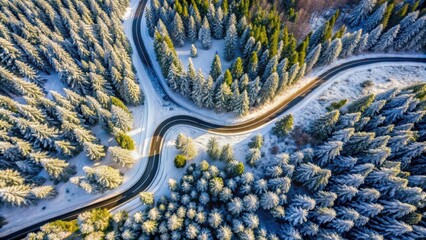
(157, 139)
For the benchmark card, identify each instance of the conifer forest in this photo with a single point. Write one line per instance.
(213, 119)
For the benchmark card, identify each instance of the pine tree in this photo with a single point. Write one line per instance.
(349, 43)
(270, 68)
(104, 176)
(387, 15)
(332, 52)
(217, 25)
(283, 126)
(237, 68)
(269, 88)
(387, 39)
(204, 34)
(374, 19)
(230, 42)
(198, 85)
(213, 149)
(253, 91)
(222, 97)
(360, 12)
(194, 52)
(186, 146)
(312, 57)
(121, 119)
(192, 30)
(252, 68)
(374, 36)
(409, 33)
(243, 104)
(122, 157)
(227, 153)
(323, 126)
(312, 176)
(94, 151)
(253, 156)
(216, 67)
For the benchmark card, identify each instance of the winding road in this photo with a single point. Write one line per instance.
(157, 140)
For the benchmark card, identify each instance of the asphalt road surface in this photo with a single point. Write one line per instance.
(157, 139)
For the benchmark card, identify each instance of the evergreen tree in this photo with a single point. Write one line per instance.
(243, 104)
(332, 52)
(222, 97)
(186, 146)
(312, 57)
(283, 126)
(192, 30)
(374, 19)
(269, 88)
(409, 33)
(387, 15)
(216, 67)
(237, 68)
(312, 176)
(349, 43)
(360, 12)
(253, 91)
(213, 149)
(194, 52)
(374, 36)
(204, 34)
(252, 68)
(230, 42)
(323, 127)
(122, 157)
(387, 39)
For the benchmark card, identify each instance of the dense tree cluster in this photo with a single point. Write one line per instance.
(270, 58)
(40, 130)
(365, 180)
(83, 41)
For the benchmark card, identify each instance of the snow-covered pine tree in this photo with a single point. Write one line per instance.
(362, 44)
(192, 30)
(217, 24)
(222, 97)
(252, 68)
(269, 88)
(194, 52)
(254, 89)
(270, 68)
(349, 43)
(216, 68)
(198, 85)
(213, 149)
(332, 52)
(360, 12)
(374, 19)
(249, 47)
(409, 33)
(178, 31)
(231, 42)
(386, 41)
(243, 104)
(374, 36)
(312, 57)
(122, 157)
(204, 35)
